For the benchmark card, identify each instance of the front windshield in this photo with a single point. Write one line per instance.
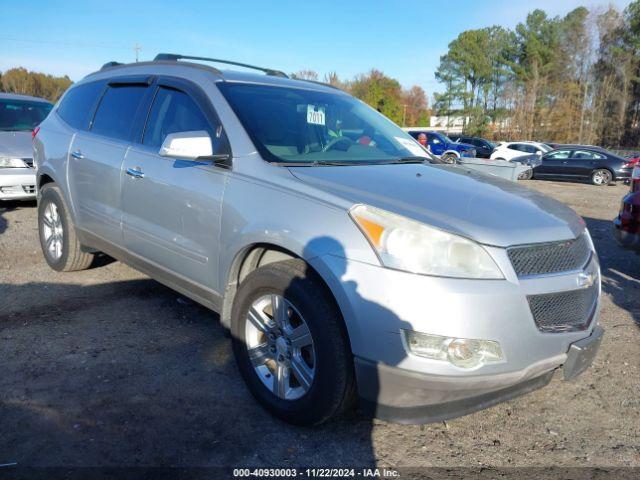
(295, 125)
(18, 115)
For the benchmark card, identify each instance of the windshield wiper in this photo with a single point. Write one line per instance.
(415, 159)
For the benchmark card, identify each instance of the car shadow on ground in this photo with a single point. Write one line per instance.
(7, 206)
(130, 373)
(620, 268)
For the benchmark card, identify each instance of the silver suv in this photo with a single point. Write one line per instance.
(344, 264)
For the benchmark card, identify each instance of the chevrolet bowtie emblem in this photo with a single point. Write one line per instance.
(585, 280)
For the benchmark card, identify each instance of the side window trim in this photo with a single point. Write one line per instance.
(201, 100)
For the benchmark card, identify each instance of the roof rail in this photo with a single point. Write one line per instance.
(176, 57)
(110, 64)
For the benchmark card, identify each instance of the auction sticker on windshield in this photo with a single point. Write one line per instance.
(412, 146)
(315, 114)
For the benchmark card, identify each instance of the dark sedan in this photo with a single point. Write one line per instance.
(595, 164)
(484, 148)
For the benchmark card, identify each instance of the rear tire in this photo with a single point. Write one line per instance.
(528, 175)
(601, 177)
(324, 386)
(449, 158)
(60, 245)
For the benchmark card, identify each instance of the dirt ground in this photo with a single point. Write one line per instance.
(109, 368)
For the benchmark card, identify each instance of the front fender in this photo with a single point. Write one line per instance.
(264, 214)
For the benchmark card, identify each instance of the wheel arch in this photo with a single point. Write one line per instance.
(605, 167)
(256, 255)
(454, 152)
(43, 179)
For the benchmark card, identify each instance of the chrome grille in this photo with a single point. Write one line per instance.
(29, 188)
(564, 311)
(553, 257)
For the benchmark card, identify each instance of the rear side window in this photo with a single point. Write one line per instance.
(77, 105)
(518, 146)
(117, 111)
(174, 111)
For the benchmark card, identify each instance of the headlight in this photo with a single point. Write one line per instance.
(461, 352)
(8, 162)
(411, 246)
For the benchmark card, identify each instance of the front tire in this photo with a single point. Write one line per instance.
(601, 177)
(60, 245)
(290, 344)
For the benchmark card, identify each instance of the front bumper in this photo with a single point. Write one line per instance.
(17, 184)
(378, 303)
(395, 395)
(624, 173)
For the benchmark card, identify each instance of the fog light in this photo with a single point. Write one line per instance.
(11, 189)
(461, 352)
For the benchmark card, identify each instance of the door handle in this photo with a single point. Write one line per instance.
(77, 154)
(135, 172)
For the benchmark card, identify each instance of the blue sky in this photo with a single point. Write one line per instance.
(402, 38)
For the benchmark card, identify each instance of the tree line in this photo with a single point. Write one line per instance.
(20, 80)
(570, 79)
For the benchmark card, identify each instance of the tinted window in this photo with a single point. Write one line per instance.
(117, 110)
(587, 155)
(517, 146)
(174, 111)
(19, 115)
(77, 105)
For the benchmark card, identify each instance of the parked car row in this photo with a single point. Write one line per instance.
(343, 263)
(19, 115)
(438, 143)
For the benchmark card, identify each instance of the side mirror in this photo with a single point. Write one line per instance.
(187, 145)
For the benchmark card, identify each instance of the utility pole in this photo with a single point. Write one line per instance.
(136, 49)
(404, 114)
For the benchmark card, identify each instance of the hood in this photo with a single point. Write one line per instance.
(16, 144)
(484, 208)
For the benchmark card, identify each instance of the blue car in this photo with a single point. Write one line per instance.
(441, 145)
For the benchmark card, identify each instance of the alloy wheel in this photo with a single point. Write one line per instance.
(53, 231)
(280, 347)
(601, 177)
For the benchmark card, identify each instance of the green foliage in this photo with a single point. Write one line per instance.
(381, 92)
(20, 80)
(568, 79)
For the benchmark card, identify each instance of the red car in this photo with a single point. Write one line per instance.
(627, 225)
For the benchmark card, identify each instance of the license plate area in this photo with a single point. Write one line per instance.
(581, 354)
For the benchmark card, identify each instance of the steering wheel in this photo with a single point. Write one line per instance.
(340, 143)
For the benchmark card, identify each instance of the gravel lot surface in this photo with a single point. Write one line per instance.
(108, 368)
